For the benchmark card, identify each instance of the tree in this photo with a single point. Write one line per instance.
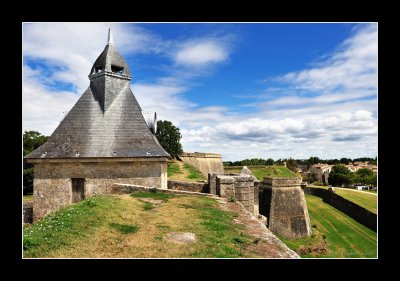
(169, 137)
(364, 175)
(340, 175)
(345, 160)
(372, 180)
(313, 160)
(32, 140)
(292, 165)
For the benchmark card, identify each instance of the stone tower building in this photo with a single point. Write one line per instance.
(104, 139)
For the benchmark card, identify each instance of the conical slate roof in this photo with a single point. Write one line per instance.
(106, 121)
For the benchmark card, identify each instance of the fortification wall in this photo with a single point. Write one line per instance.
(53, 181)
(351, 209)
(204, 162)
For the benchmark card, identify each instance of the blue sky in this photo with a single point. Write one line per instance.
(242, 90)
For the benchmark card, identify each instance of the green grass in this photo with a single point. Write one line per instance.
(265, 171)
(368, 201)
(193, 173)
(124, 228)
(147, 206)
(220, 236)
(180, 171)
(153, 195)
(28, 198)
(345, 237)
(173, 169)
(117, 226)
(66, 226)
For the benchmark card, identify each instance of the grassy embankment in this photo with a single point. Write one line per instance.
(264, 171)
(335, 234)
(125, 226)
(368, 201)
(178, 170)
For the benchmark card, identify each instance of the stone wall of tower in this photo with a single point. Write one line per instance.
(284, 204)
(53, 184)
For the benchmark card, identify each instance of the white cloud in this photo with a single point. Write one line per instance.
(352, 67)
(70, 49)
(200, 53)
(42, 108)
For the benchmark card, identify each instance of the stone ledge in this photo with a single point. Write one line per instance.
(129, 188)
(282, 182)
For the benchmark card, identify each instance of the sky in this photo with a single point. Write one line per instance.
(243, 90)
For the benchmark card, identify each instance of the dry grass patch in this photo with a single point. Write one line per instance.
(120, 227)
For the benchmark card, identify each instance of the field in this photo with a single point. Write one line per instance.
(138, 226)
(335, 234)
(178, 170)
(264, 171)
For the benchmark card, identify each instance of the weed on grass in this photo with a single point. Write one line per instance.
(154, 195)
(147, 206)
(124, 228)
(193, 172)
(162, 226)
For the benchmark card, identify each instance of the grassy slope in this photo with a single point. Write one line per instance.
(264, 171)
(368, 201)
(178, 170)
(90, 229)
(345, 237)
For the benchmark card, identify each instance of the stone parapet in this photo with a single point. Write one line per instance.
(204, 162)
(281, 182)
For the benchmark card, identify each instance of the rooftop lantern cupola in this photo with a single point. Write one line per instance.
(110, 62)
(109, 75)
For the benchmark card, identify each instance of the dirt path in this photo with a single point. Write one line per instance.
(266, 244)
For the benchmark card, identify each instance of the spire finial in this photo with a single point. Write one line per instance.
(110, 37)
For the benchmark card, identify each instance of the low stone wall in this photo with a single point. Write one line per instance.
(351, 209)
(189, 186)
(204, 162)
(121, 188)
(28, 212)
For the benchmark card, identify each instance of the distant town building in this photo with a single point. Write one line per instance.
(321, 172)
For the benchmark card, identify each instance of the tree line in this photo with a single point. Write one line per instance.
(298, 162)
(341, 176)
